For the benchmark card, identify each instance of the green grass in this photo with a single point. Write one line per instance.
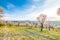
(24, 33)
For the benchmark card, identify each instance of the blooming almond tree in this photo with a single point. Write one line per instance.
(1, 12)
(41, 18)
(1, 16)
(58, 12)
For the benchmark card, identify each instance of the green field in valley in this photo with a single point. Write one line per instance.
(24, 33)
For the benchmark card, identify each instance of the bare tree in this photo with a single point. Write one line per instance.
(41, 18)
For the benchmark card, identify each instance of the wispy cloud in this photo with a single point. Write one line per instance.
(9, 6)
(36, 0)
(12, 17)
(49, 8)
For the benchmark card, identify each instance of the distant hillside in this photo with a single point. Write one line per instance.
(57, 23)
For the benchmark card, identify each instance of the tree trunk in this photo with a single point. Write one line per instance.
(41, 26)
(49, 27)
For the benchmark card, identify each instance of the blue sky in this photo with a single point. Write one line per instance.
(29, 9)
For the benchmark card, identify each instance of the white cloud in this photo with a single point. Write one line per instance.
(11, 17)
(51, 3)
(36, 0)
(31, 16)
(32, 8)
(49, 8)
(10, 6)
(50, 12)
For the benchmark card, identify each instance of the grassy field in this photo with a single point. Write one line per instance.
(23, 33)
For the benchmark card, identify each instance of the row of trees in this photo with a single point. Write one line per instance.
(42, 17)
